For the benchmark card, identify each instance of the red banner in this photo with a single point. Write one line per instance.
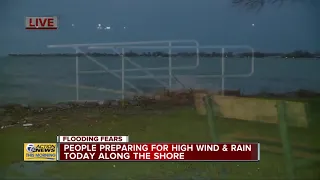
(159, 152)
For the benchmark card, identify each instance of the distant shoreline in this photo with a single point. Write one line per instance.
(294, 54)
(293, 95)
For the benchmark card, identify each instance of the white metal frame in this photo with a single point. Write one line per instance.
(147, 71)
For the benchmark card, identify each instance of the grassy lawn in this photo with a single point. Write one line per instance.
(181, 124)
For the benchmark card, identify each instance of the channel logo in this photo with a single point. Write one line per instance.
(31, 148)
(40, 151)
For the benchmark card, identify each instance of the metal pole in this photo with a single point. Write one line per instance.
(122, 76)
(222, 72)
(142, 69)
(77, 75)
(287, 151)
(210, 107)
(106, 69)
(170, 67)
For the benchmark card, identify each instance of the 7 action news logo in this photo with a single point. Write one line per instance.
(40, 151)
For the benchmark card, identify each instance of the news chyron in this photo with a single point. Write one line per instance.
(41, 23)
(40, 151)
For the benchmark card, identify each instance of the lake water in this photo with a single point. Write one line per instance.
(51, 79)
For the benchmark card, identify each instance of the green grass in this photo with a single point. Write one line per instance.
(176, 125)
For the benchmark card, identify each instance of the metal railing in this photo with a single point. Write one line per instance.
(120, 73)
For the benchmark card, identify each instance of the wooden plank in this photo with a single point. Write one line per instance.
(239, 137)
(262, 110)
(272, 141)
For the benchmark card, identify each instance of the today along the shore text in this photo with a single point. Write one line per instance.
(159, 152)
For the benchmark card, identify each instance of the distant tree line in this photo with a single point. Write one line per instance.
(259, 4)
(294, 54)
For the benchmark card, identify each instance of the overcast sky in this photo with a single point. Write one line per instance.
(211, 22)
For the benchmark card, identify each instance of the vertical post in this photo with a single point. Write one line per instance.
(222, 71)
(283, 127)
(211, 118)
(198, 57)
(170, 66)
(77, 74)
(122, 75)
(308, 112)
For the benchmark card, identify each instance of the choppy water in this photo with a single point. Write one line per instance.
(50, 79)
